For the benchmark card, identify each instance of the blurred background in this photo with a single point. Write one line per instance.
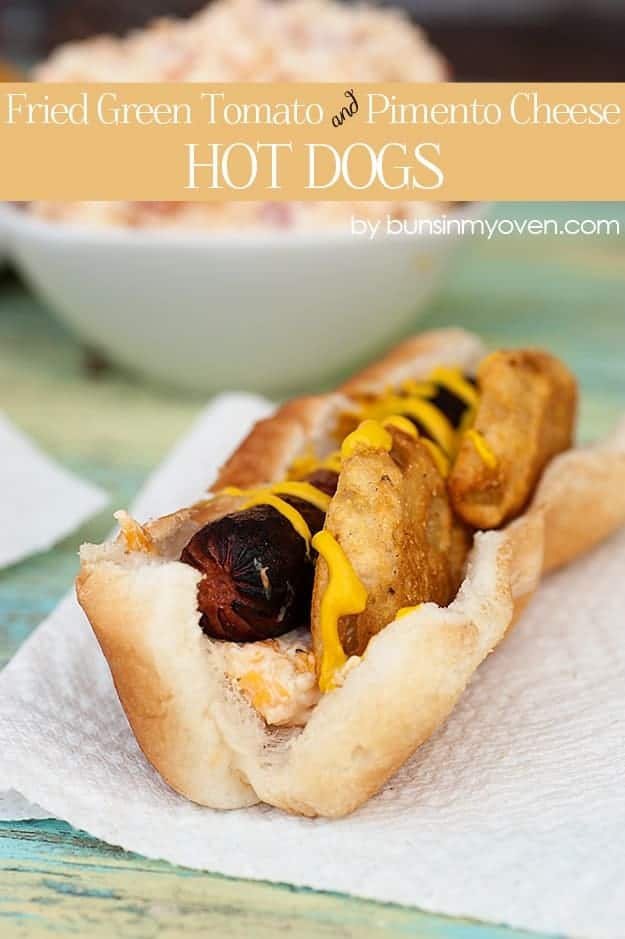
(486, 40)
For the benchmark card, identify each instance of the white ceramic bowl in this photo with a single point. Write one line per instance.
(268, 311)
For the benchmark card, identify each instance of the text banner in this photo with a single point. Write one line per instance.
(196, 142)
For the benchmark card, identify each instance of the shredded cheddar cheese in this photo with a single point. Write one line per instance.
(136, 537)
(277, 676)
(261, 693)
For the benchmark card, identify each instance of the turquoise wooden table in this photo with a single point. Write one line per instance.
(567, 293)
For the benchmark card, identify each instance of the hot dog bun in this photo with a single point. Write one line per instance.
(203, 736)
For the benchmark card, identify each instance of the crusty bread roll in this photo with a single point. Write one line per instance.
(201, 733)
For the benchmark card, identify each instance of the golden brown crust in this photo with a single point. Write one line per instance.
(210, 744)
(392, 519)
(526, 415)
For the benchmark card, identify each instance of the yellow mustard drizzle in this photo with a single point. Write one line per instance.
(429, 416)
(454, 381)
(296, 519)
(394, 409)
(402, 424)
(308, 463)
(345, 595)
(304, 491)
(418, 389)
(369, 435)
(482, 448)
(442, 461)
(271, 496)
(332, 462)
(406, 610)
(303, 465)
(466, 421)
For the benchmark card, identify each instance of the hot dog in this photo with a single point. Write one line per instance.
(258, 569)
(333, 579)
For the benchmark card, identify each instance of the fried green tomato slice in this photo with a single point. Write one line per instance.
(525, 416)
(392, 521)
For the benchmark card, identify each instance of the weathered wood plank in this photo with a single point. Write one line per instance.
(53, 879)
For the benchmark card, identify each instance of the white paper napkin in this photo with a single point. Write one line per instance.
(14, 807)
(40, 502)
(514, 812)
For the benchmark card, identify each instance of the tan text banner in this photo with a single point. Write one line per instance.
(312, 141)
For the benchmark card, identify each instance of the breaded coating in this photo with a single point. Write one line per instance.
(525, 416)
(461, 544)
(392, 518)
